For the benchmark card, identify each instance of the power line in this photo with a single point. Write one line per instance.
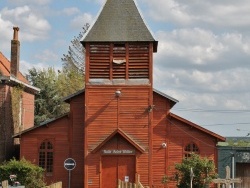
(218, 124)
(212, 110)
(191, 135)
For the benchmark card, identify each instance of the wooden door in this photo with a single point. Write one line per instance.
(243, 172)
(117, 167)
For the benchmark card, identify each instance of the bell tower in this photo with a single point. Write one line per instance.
(118, 94)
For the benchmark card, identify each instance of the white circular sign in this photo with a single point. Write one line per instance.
(69, 164)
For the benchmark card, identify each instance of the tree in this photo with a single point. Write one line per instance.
(54, 86)
(25, 172)
(75, 58)
(203, 171)
(69, 82)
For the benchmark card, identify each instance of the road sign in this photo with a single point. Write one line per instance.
(69, 164)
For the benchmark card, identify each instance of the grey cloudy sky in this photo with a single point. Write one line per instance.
(202, 60)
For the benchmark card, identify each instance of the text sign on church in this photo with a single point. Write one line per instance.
(118, 152)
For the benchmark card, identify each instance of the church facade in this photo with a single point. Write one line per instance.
(119, 126)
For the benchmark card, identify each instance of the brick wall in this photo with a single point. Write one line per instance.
(6, 140)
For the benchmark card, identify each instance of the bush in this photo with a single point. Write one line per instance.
(28, 174)
(203, 171)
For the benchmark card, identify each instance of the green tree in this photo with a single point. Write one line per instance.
(48, 100)
(27, 174)
(75, 57)
(70, 81)
(203, 171)
(54, 86)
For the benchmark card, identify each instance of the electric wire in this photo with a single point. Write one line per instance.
(212, 110)
(220, 111)
(191, 134)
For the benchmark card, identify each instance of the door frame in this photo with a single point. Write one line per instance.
(135, 166)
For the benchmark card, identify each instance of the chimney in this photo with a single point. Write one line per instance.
(15, 53)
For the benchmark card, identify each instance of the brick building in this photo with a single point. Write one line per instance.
(16, 101)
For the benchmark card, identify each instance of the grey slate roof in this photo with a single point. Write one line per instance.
(119, 21)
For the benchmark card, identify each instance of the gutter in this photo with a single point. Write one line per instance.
(11, 79)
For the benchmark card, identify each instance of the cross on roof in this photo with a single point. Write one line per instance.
(227, 181)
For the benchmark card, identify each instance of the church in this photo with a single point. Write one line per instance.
(118, 126)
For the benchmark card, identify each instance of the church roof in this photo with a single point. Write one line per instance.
(80, 92)
(119, 21)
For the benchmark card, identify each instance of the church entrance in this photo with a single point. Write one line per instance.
(116, 167)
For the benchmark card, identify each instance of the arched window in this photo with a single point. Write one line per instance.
(46, 156)
(191, 148)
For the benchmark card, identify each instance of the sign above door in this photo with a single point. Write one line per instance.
(118, 152)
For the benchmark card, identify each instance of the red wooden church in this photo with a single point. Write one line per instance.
(118, 127)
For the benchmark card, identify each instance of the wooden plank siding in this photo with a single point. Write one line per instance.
(159, 164)
(58, 135)
(176, 134)
(180, 135)
(66, 135)
(99, 61)
(106, 113)
(77, 140)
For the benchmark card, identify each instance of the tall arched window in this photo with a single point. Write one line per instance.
(191, 148)
(46, 156)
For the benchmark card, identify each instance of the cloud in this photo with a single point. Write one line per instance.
(220, 14)
(81, 20)
(30, 2)
(70, 11)
(196, 46)
(47, 56)
(25, 66)
(32, 27)
(97, 1)
(6, 33)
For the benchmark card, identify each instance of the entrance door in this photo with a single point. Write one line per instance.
(117, 167)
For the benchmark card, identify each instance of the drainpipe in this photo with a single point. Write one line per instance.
(233, 168)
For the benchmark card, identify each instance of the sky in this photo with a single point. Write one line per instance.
(203, 57)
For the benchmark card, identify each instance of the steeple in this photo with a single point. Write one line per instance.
(119, 21)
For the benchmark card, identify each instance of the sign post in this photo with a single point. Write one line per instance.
(69, 164)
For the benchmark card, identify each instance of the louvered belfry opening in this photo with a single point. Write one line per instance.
(119, 61)
(138, 61)
(99, 61)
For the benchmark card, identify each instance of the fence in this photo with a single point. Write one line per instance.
(55, 185)
(122, 184)
(5, 184)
